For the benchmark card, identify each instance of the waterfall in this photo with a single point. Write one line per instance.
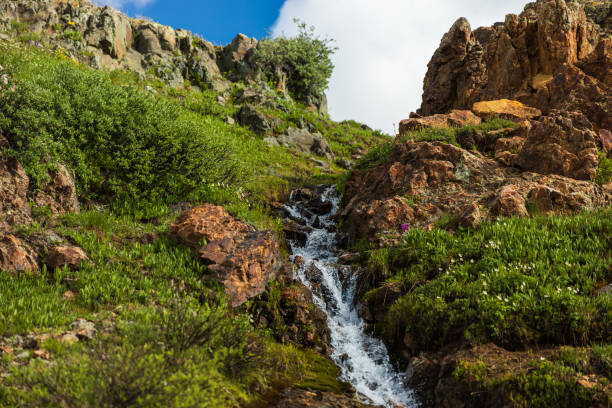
(363, 359)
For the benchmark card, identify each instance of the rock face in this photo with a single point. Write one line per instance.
(563, 144)
(551, 56)
(15, 255)
(14, 185)
(421, 182)
(243, 259)
(16, 192)
(58, 193)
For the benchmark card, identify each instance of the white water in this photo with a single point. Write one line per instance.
(363, 359)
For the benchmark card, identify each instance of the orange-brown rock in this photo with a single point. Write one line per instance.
(369, 217)
(66, 256)
(440, 179)
(207, 222)
(470, 215)
(16, 191)
(598, 64)
(505, 108)
(244, 263)
(509, 144)
(14, 185)
(605, 137)
(551, 56)
(16, 256)
(454, 118)
(509, 202)
(564, 144)
(242, 259)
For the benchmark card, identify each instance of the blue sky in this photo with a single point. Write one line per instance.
(218, 21)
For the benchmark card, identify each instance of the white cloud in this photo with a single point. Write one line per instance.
(120, 4)
(384, 48)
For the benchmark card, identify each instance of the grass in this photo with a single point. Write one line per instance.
(544, 381)
(166, 336)
(515, 282)
(171, 340)
(138, 151)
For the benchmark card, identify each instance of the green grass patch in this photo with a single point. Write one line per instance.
(516, 282)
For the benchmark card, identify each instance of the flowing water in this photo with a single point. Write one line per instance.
(363, 359)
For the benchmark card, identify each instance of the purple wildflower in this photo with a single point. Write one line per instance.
(404, 227)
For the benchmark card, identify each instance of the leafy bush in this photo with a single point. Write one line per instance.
(515, 282)
(604, 171)
(122, 143)
(305, 59)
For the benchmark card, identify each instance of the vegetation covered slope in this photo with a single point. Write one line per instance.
(163, 334)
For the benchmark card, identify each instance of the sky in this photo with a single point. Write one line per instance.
(384, 45)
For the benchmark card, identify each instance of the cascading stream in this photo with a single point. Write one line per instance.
(363, 359)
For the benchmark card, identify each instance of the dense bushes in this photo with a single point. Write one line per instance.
(122, 143)
(604, 170)
(516, 282)
(146, 361)
(305, 59)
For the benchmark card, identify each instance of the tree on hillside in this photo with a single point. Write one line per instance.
(305, 60)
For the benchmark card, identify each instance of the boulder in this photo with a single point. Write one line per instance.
(454, 118)
(250, 117)
(235, 56)
(242, 259)
(66, 256)
(245, 264)
(15, 255)
(368, 218)
(509, 202)
(58, 193)
(83, 329)
(304, 141)
(505, 108)
(563, 143)
(206, 223)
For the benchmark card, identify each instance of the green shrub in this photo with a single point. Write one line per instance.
(604, 171)
(122, 143)
(305, 59)
(376, 156)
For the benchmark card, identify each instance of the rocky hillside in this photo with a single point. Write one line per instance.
(144, 251)
(554, 55)
(142, 245)
(484, 229)
(105, 38)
